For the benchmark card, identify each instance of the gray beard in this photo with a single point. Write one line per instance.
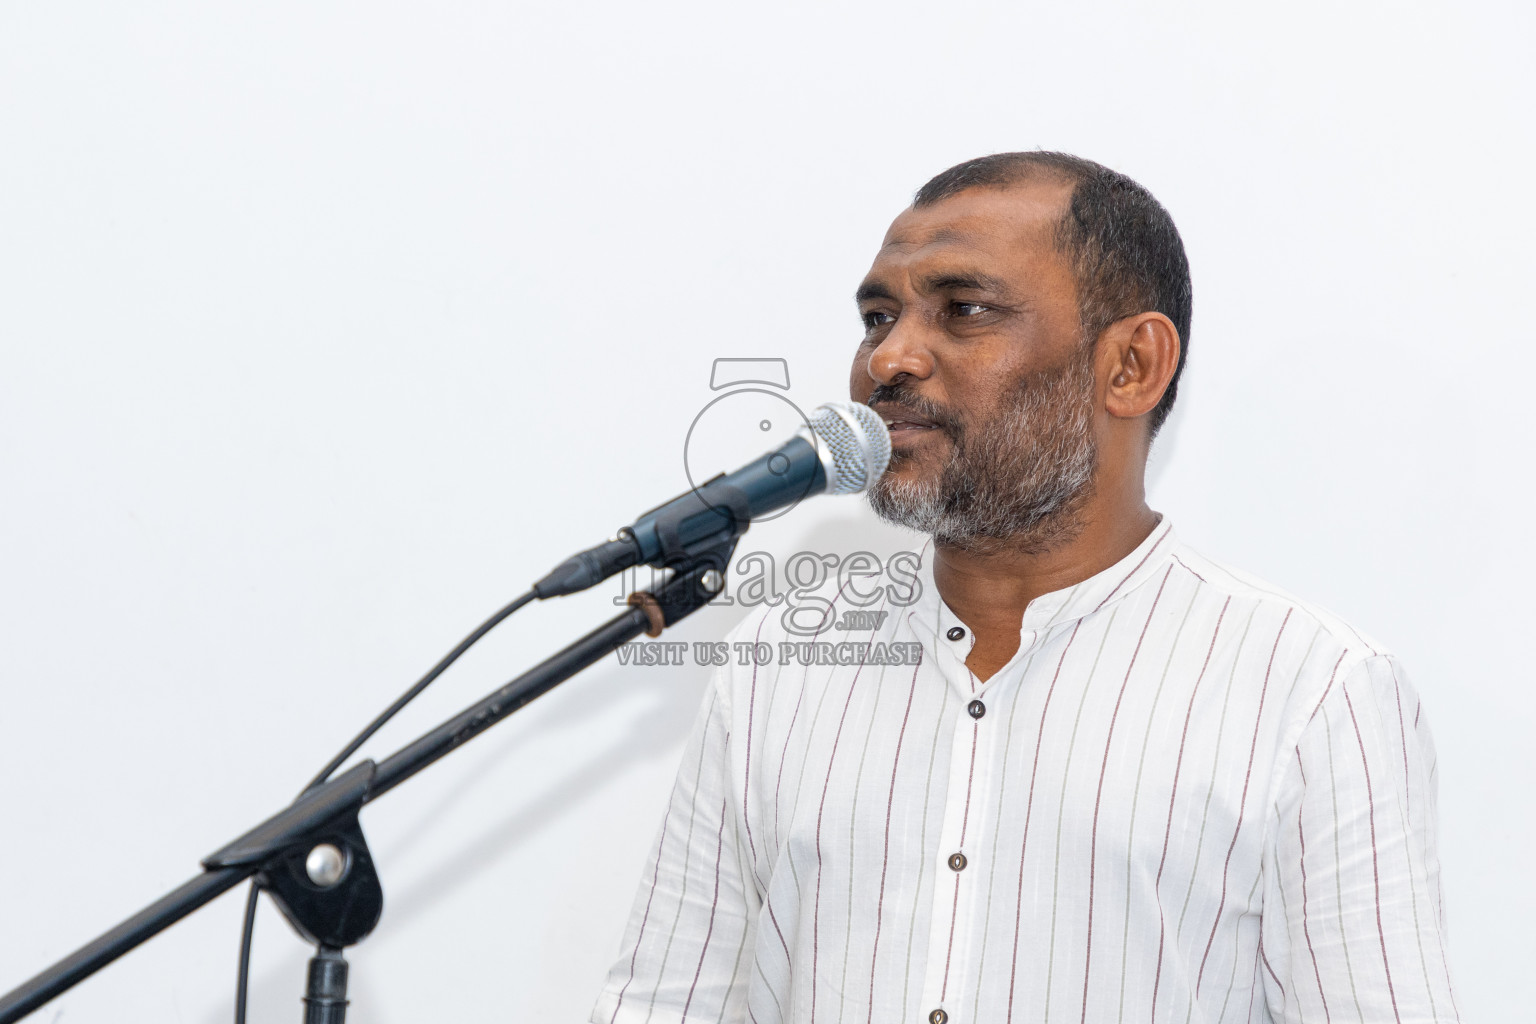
(1019, 482)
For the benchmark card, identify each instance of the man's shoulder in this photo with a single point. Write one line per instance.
(1249, 589)
(1306, 657)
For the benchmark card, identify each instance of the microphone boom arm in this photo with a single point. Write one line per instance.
(345, 911)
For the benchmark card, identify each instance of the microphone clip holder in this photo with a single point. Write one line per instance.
(696, 580)
(727, 503)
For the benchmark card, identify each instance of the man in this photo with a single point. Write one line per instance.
(1124, 783)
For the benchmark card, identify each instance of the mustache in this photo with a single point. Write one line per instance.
(905, 397)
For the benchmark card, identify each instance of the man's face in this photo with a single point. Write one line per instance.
(973, 354)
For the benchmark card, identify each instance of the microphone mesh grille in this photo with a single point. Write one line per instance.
(858, 441)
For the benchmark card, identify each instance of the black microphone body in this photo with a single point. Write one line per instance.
(715, 512)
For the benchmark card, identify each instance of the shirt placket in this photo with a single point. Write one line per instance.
(955, 892)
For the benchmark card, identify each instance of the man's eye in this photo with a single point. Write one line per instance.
(876, 318)
(969, 308)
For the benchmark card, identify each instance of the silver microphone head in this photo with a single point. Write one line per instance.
(854, 445)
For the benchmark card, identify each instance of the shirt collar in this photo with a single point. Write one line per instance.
(932, 618)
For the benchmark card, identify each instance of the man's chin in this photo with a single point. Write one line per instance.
(908, 496)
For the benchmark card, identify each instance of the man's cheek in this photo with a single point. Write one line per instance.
(859, 385)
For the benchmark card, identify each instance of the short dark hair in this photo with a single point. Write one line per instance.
(1126, 255)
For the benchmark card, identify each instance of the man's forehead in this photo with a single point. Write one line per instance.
(1014, 219)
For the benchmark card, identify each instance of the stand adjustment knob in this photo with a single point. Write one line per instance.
(326, 865)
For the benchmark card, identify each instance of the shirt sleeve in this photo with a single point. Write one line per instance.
(686, 951)
(1353, 926)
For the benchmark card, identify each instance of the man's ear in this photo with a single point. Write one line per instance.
(1142, 352)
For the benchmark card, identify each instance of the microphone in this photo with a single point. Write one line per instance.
(843, 449)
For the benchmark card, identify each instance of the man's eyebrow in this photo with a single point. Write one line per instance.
(938, 281)
(873, 290)
(963, 280)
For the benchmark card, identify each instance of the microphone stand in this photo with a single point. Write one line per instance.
(312, 858)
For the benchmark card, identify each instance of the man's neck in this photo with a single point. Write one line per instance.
(990, 587)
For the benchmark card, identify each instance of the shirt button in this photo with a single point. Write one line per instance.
(938, 1017)
(957, 862)
(955, 633)
(976, 708)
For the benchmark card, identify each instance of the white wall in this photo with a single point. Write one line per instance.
(327, 327)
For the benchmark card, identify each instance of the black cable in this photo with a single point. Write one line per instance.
(421, 684)
(245, 950)
(340, 759)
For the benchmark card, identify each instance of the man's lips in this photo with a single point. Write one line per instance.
(902, 421)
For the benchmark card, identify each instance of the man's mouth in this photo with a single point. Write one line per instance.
(900, 421)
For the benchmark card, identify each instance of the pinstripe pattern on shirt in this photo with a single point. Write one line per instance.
(1190, 797)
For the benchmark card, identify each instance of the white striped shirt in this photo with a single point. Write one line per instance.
(1188, 797)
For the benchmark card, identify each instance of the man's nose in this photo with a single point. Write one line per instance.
(906, 350)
